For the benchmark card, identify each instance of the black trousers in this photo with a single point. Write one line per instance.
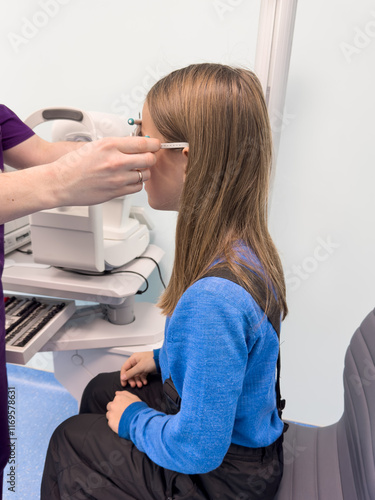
(87, 460)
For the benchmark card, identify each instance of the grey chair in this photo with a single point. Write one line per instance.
(337, 462)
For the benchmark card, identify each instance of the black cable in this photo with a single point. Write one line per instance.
(157, 266)
(140, 292)
(84, 273)
(105, 273)
(27, 252)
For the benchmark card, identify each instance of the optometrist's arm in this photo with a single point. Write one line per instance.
(90, 174)
(36, 151)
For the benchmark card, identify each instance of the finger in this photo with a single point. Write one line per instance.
(130, 189)
(129, 363)
(141, 175)
(132, 383)
(122, 394)
(131, 145)
(133, 161)
(123, 163)
(123, 382)
(138, 381)
(129, 374)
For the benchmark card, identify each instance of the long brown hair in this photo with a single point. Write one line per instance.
(220, 111)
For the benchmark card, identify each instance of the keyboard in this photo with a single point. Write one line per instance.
(30, 322)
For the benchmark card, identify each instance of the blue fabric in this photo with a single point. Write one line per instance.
(221, 353)
(156, 359)
(127, 417)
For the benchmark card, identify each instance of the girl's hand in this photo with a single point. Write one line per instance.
(116, 408)
(136, 368)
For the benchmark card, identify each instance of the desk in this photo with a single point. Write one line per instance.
(88, 343)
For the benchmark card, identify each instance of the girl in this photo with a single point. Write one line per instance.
(201, 417)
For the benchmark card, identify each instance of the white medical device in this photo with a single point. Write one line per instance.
(87, 238)
(16, 234)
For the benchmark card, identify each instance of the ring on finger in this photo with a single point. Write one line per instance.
(140, 176)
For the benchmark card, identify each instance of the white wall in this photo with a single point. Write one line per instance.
(323, 204)
(104, 55)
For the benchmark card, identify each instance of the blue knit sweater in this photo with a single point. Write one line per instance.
(221, 352)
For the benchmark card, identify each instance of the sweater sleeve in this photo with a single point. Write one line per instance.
(207, 353)
(156, 359)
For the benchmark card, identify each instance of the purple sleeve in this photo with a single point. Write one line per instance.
(12, 130)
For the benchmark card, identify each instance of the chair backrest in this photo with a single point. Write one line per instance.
(356, 429)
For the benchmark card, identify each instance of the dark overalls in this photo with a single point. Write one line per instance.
(87, 460)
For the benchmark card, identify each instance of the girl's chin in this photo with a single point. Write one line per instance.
(157, 204)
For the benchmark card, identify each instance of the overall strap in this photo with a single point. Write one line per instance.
(273, 315)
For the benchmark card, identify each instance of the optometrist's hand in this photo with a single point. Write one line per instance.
(88, 174)
(103, 169)
(136, 368)
(116, 408)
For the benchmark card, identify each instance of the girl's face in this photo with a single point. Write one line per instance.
(165, 185)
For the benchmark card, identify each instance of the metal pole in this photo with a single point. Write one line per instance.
(274, 46)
